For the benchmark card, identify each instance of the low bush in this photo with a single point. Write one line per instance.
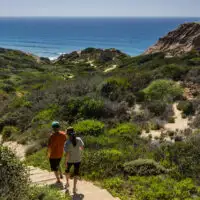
(143, 167)
(13, 176)
(101, 164)
(38, 159)
(102, 141)
(91, 108)
(113, 88)
(165, 188)
(127, 131)
(89, 127)
(186, 107)
(183, 155)
(151, 188)
(173, 71)
(46, 193)
(157, 107)
(8, 132)
(171, 120)
(47, 114)
(86, 107)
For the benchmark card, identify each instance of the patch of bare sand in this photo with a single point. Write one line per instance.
(179, 124)
(110, 68)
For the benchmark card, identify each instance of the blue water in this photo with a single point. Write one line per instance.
(49, 37)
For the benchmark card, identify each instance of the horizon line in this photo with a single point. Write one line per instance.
(48, 16)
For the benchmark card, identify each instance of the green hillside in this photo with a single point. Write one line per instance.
(112, 100)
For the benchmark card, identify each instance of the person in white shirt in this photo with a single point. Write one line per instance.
(73, 147)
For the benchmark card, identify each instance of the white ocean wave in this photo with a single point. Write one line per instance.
(53, 57)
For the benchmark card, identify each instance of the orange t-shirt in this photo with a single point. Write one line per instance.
(56, 145)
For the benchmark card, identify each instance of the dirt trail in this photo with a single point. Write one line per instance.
(86, 190)
(179, 124)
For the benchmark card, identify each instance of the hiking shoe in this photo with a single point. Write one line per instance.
(75, 190)
(67, 185)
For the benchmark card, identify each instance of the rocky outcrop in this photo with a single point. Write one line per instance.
(91, 54)
(182, 40)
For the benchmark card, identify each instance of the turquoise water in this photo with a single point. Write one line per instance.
(49, 37)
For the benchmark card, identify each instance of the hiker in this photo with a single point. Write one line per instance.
(56, 149)
(73, 147)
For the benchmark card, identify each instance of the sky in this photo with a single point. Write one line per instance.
(111, 8)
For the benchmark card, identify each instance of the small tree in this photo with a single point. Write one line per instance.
(165, 90)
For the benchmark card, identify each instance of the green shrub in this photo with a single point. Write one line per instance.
(89, 127)
(130, 99)
(8, 88)
(102, 141)
(39, 159)
(118, 187)
(183, 155)
(100, 164)
(126, 131)
(9, 131)
(113, 88)
(157, 107)
(91, 108)
(83, 107)
(194, 61)
(164, 90)
(173, 71)
(13, 176)
(47, 114)
(20, 102)
(171, 120)
(151, 188)
(46, 193)
(143, 167)
(186, 107)
(164, 188)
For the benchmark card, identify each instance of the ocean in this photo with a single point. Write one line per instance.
(50, 37)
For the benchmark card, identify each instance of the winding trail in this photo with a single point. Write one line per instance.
(86, 190)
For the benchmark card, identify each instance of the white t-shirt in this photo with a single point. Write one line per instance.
(74, 152)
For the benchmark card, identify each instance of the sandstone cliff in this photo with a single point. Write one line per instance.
(182, 40)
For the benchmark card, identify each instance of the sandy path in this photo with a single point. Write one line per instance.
(86, 190)
(180, 124)
(110, 68)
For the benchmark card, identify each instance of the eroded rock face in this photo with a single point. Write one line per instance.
(182, 40)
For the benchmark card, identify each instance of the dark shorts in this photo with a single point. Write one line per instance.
(76, 168)
(54, 163)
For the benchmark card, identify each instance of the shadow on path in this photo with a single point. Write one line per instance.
(59, 186)
(77, 197)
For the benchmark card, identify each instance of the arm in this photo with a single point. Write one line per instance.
(49, 146)
(81, 145)
(66, 153)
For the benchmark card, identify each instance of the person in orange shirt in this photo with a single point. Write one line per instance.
(56, 148)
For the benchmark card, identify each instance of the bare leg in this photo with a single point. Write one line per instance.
(67, 179)
(57, 176)
(75, 183)
(60, 172)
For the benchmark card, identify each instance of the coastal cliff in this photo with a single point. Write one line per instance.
(182, 40)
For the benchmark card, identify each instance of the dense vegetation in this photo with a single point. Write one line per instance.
(110, 111)
(14, 181)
